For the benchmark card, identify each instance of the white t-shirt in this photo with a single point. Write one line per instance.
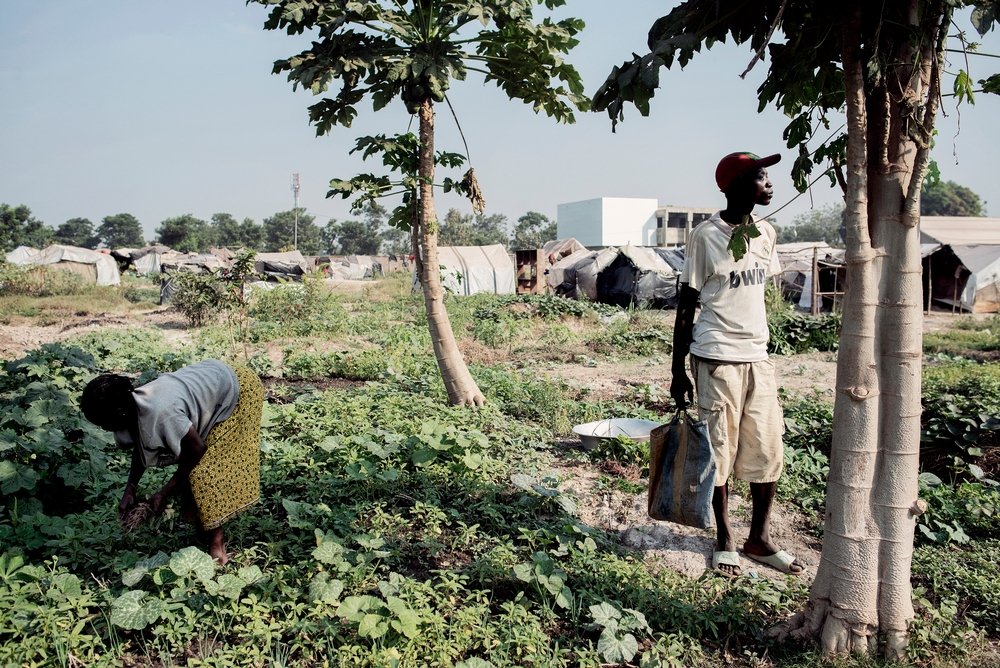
(201, 395)
(732, 326)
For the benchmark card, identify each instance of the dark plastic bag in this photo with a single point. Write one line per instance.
(681, 473)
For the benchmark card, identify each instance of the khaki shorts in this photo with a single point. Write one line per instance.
(740, 404)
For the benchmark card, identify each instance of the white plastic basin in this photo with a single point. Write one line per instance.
(591, 433)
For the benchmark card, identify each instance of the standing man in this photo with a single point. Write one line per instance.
(733, 377)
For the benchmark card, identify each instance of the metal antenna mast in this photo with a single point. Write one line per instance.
(295, 194)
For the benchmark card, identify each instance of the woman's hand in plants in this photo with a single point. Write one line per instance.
(128, 500)
(158, 501)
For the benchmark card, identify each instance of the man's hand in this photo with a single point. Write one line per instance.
(128, 500)
(681, 390)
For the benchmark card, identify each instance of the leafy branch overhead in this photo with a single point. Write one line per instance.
(413, 51)
(804, 79)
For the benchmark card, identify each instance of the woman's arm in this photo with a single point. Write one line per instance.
(135, 471)
(192, 450)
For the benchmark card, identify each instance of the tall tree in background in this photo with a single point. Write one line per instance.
(19, 228)
(226, 230)
(229, 233)
(280, 232)
(186, 234)
(456, 229)
(351, 237)
(251, 234)
(883, 63)
(821, 224)
(77, 232)
(411, 51)
(122, 230)
(947, 198)
(533, 229)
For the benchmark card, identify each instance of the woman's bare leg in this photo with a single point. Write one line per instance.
(217, 545)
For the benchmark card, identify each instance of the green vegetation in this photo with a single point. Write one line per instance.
(397, 530)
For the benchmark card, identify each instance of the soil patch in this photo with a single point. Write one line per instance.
(684, 549)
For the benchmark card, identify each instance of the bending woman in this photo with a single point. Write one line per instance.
(205, 418)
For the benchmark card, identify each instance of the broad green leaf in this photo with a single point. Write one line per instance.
(14, 478)
(250, 574)
(329, 552)
(65, 586)
(423, 456)
(353, 608)
(372, 626)
(472, 460)
(474, 662)
(564, 599)
(129, 612)
(322, 588)
(132, 576)
(192, 561)
(407, 620)
(604, 613)
(524, 572)
(616, 650)
(523, 481)
(227, 585)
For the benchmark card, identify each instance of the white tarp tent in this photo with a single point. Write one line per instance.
(468, 270)
(97, 267)
(22, 255)
(973, 285)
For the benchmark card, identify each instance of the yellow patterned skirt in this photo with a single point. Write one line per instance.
(227, 479)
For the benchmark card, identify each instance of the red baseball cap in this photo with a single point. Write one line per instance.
(735, 165)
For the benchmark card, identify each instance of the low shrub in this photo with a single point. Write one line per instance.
(33, 281)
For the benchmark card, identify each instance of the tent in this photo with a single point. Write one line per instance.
(145, 261)
(561, 276)
(21, 255)
(629, 275)
(291, 265)
(351, 267)
(557, 249)
(468, 270)
(796, 278)
(961, 262)
(637, 276)
(99, 268)
(172, 263)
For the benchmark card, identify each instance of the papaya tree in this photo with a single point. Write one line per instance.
(411, 51)
(882, 64)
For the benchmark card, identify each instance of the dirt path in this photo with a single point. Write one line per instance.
(20, 334)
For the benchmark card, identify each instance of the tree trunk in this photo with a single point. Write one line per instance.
(862, 586)
(461, 387)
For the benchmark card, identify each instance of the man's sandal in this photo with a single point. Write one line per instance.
(780, 560)
(726, 558)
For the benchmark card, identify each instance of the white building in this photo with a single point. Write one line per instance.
(621, 221)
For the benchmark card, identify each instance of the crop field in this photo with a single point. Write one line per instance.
(396, 530)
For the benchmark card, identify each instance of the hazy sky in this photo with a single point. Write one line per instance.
(165, 108)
